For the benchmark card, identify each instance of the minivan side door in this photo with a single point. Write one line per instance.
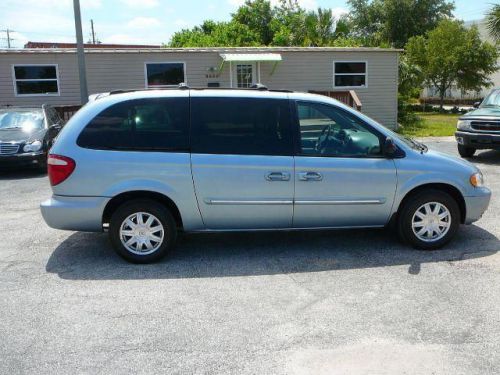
(242, 161)
(342, 178)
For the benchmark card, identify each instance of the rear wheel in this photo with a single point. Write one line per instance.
(429, 220)
(142, 231)
(466, 152)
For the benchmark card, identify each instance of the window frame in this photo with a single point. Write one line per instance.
(146, 84)
(351, 74)
(15, 80)
(297, 138)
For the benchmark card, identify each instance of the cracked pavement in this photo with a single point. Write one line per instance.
(338, 302)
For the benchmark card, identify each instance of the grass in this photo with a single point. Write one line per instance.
(431, 125)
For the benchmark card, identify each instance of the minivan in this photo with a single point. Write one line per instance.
(145, 165)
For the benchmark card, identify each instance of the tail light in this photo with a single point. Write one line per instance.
(59, 168)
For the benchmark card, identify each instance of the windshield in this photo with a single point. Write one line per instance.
(492, 100)
(26, 120)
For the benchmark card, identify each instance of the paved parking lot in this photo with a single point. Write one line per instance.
(343, 302)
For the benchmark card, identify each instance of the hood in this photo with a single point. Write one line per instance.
(483, 112)
(18, 135)
(452, 161)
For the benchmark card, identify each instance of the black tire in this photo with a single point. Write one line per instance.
(466, 152)
(410, 207)
(160, 212)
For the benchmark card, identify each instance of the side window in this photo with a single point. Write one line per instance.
(329, 131)
(144, 124)
(241, 126)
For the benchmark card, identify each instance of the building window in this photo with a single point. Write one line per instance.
(36, 79)
(349, 74)
(165, 74)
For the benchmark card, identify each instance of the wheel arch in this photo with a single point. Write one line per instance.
(121, 198)
(447, 188)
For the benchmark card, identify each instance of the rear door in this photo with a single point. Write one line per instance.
(342, 178)
(242, 161)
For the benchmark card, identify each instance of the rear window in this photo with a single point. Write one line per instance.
(241, 126)
(143, 124)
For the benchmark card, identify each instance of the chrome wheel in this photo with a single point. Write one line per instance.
(431, 222)
(142, 233)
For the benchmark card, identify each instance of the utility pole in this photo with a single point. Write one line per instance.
(8, 39)
(80, 52)
(93, 33)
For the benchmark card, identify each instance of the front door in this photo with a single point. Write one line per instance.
(242, 162)
(341, 177)
(244, 74)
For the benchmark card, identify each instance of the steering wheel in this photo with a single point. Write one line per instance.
(323, 138)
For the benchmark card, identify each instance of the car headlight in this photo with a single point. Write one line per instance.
(463, 125)
(32, 146)
(477, 179)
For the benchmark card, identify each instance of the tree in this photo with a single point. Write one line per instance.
(257, 15)
(395, 21)
(453, 55)
(493, 22)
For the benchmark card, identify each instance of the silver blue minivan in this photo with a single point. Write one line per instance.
(145, 165)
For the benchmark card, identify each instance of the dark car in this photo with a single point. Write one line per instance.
(480, 128)
(26, 135)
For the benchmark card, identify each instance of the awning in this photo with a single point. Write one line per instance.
(250, 56)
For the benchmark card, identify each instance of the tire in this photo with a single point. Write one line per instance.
(408, 217)
(466, 152)
(160, 217)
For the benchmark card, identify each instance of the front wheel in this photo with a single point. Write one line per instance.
(466, 152)
(429, 220)
(142, 231)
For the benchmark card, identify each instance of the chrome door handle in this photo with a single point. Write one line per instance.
(310, 176)
(278, 176)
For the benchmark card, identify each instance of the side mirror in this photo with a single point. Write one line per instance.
(390, 147)
(56, 126)
(476, 104)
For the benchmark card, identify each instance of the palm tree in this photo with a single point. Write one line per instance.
(493, 22)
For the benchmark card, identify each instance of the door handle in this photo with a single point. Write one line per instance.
(310, 176)
(278, 176)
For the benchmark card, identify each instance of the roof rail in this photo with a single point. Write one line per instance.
(259, 86)
(183, 86)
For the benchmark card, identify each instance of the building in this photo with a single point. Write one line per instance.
(364, 77)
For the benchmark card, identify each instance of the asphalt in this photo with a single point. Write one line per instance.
(342, 302)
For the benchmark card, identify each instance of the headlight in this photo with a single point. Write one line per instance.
(477, 179)
(33, 146)
(463, 125)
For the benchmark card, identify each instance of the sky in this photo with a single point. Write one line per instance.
(142, 21)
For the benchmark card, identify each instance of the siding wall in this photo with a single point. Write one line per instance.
(299, 71)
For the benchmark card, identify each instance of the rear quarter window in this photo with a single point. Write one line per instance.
(145, 124)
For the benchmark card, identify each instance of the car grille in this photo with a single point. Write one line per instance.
(486, 126)
(8, 148)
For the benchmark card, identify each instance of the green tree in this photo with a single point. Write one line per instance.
(453, 55)
(395, 21)
(258, 16)
(493, 22)
(320, 27)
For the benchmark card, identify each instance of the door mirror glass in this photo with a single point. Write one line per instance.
(390, 148)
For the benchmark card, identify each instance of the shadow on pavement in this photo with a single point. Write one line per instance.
(89, 256)
(489, 157)
(20, 174)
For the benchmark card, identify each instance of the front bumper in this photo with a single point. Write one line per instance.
(478, 140)
(476, 205)
(34, 159)
(74, 213)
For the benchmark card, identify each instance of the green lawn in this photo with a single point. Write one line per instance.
(432, 125)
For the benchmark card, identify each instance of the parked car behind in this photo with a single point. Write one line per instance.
(480, 128)
(26, 135)
(147, 164)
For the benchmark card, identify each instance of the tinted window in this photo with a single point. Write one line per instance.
(145, 124)
(241, 126)
(329, 131)
(164, 74)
